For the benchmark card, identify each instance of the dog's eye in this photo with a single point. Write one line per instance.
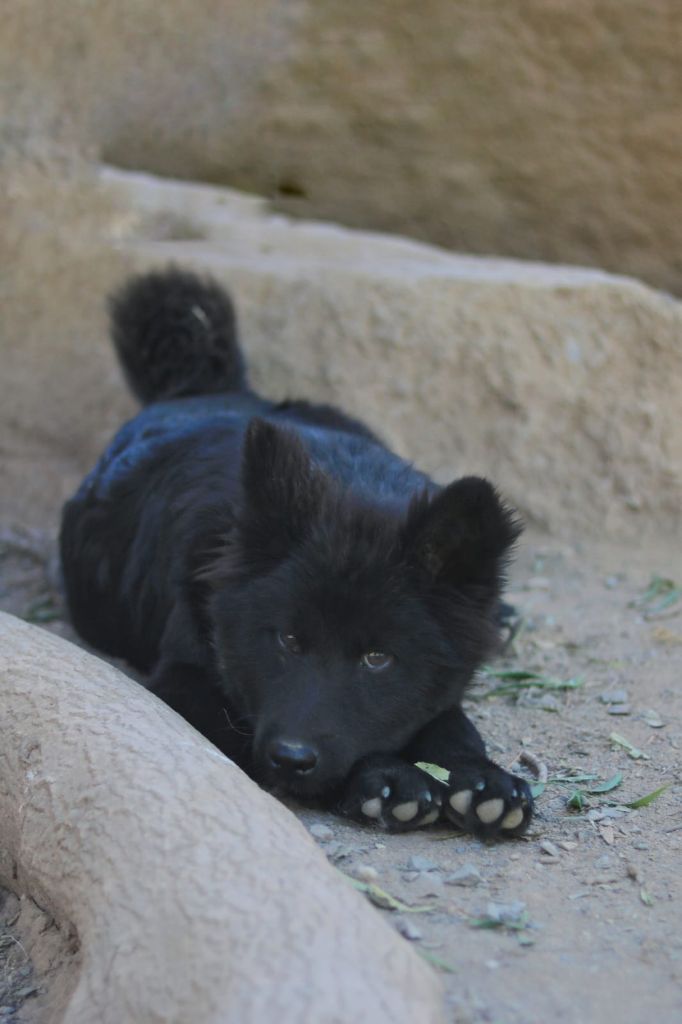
(376, 661)
(289, 642)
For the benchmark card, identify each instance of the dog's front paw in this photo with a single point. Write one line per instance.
(393, 794)
(488, 801)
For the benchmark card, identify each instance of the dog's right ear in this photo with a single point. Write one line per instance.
(463, 537)
(281, 492)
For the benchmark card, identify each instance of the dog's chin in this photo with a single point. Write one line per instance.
(303, 788)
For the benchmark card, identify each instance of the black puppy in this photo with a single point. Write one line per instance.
(308, 600)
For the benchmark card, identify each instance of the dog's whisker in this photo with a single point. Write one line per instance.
(234, 727)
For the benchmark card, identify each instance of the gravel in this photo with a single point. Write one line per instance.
(467, 876)
(322, 832)
(419, 863)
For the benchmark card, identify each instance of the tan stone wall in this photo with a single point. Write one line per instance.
(563, 385)
(532, 128)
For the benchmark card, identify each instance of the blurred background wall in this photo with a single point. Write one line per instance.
(541, 129)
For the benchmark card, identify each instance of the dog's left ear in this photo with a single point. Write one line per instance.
(281, 492)
(463, 537)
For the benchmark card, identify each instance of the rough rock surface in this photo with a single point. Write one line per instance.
(540, 129)
(188, 893)
(564, 385)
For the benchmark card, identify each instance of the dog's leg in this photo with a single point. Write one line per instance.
(482, 797)
(388, 791)
(479, 796)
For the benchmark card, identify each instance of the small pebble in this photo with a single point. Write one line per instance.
(419, 863)
(409, 930)
(599, 814)
(427, 884)
(549, 848)
(640, 845)
(653, 718)
(619, 709)
(613, 812)
(468, 875)
(605, 878)
(28, 990)
(366, 873)
(566, 844)
(321, 832)
(543, 701)
(506, 913)
(339, 851)
(604, 861)
(410, 876)
(614, 697)
(633, 872)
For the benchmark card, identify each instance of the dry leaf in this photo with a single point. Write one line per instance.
(607, 833)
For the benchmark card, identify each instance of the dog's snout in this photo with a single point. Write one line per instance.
(292, 756)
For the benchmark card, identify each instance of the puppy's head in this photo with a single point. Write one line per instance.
(342, 628)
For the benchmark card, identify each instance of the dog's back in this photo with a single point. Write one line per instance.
(160, 499)
(139, 509)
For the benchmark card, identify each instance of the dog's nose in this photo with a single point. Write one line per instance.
(291, 756)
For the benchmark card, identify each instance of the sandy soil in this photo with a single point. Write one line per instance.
(590, 901)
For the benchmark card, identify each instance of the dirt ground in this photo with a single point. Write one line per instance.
(580, 921)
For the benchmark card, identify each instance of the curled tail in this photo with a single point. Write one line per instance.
(176, 334)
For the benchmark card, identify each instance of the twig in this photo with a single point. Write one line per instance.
(538, 767)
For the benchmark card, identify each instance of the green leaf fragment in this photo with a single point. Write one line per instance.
(634, 752)
(644, 801)
(660, 595)
(435, 770)
(516, 680)
(517, 674)
(577, 801)
(436, 961)
(606, 787)
(485, 922)
(572, 778)
(512, 924)
(380, 898)
(43, 609)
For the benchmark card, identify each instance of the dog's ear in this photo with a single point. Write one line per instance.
(281, 490)
(463, 537)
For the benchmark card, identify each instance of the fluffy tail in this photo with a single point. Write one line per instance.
(176, 334)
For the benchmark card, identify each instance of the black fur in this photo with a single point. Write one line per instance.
(176, 335)
(251, 556)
